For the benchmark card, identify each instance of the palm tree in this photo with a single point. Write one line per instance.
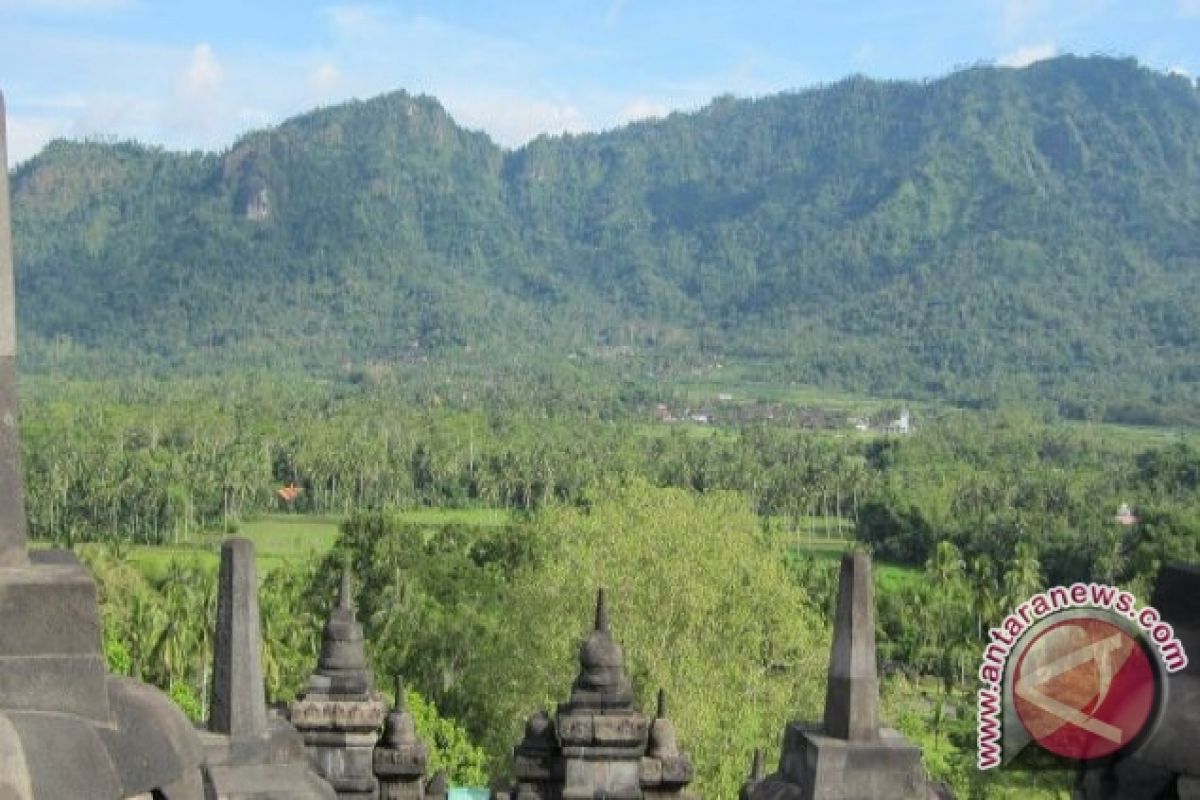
(1024, 577)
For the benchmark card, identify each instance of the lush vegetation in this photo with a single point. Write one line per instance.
(459, 358)
(480, 516)
(994, 234)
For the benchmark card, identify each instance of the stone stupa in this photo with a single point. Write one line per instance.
(340, 711)
(599, 744)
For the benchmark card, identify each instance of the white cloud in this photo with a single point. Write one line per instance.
(27, 134)
(643, 109)
(205, 94)
(1179, 70)
(203, 73)
(511, 118)
(324, 79)
(198, 108)
(1029, 54)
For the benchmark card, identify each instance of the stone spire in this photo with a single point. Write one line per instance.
(599, 744)
(602, 682)
(852, 696)
(601, 611)
(848, 754)
(12, 481)
(438, 786)
(602, 734)
(399, 758)
(665, 771)
(757, 773)
(238, 707)
(340, 711)
(399, 730)
(662, 732)
(343, 657)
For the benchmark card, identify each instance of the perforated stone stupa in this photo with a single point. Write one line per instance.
(599, 744)
(340, 711)
(400, 757)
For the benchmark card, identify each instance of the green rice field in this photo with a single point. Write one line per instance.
(283, 538)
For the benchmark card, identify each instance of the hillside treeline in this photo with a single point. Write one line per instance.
(993, 234)
(157, 465)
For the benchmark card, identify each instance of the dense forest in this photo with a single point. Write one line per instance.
(647, 358)
(722, 529)
(990, 235)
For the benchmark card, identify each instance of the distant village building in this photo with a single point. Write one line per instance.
(1125, 515)
(902, 425)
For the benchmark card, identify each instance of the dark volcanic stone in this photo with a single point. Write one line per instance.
(12, 481)
(239, 704)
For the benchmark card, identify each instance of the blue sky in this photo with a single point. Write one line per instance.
(189, 74)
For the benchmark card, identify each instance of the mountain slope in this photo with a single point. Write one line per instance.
(997, 231)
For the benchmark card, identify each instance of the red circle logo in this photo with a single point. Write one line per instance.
(1084, 688)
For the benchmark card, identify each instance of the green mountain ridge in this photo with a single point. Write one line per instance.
(997, 232)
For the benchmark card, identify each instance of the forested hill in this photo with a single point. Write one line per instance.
(998, 231)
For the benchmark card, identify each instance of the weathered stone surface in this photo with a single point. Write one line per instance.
(1174, 595)
(602, 735)
(400, 757)
(601, 682)
(438, 786)
(238, 703)
(264, 782)
(849, 755)
(340, 711)
(600, 744)
(662, 742)
(1122, 779)
(831, 768)
(54, 557)
(1175, 743)
(48, 610)
(314, 714)
(342, 666)
(852, 694)
(586, 779)
(757, 774)
(15, 781)
(60, 684)
(665, 771)
(64, 756)
(153, 744)
(50, 657)
(1168, 756)
(12, 481)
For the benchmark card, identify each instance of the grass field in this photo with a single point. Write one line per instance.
(280, 539)
(812, 531)
(888, 577)
(744, 383)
